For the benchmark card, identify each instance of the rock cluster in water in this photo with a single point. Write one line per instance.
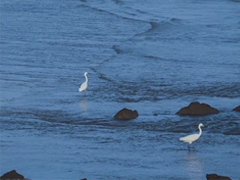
(13, 175)
(216, 177)
(197, 109)
(237, 108)
(193, 109)
(126, 114)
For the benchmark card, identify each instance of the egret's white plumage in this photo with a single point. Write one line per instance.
(193, 137)
(84, 85)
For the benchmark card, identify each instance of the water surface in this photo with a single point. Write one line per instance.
(155, 57)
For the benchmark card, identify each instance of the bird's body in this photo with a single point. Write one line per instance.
(84, 85)
(190, 138)
(193, 137)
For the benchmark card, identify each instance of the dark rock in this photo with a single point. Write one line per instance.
(84, 179)
(216, 177)
(12, 175)
(237, 109)
(126, 114)
(198, 109)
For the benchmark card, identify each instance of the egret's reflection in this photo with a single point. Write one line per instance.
(83, 105)
(193, 165)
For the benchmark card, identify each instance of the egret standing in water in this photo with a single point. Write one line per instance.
(193, 137)
(84, 85)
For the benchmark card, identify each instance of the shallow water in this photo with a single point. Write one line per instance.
(155, 57)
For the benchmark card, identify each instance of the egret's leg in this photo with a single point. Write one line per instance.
(191, 148)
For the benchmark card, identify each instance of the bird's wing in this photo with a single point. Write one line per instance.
(189, 138)
(83, 86)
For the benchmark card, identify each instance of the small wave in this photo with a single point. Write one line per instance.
(154, 27)
(155, 90)
(158, 27)
(142, 12)
(118, 2)
(223, 123)
(119, 50)
(235, 131)
(175, 20)
(116, 49)
(111, 13)
(236, 1)
(103, 77)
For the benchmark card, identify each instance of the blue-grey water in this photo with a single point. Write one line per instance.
(151, 56)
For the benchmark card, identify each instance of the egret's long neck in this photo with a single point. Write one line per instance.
(86, 77)
(200, 131)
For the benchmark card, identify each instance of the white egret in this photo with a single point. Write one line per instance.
(84, 85)
(193, 137)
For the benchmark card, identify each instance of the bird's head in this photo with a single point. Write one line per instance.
(85, 73)
(201, 125)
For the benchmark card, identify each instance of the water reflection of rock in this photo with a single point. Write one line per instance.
(83, 105)
(193, 165)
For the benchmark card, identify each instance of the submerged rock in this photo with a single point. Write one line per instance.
(126, 114)
(237, 109)
(199, 109)
(13, 175)
(216, 177)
